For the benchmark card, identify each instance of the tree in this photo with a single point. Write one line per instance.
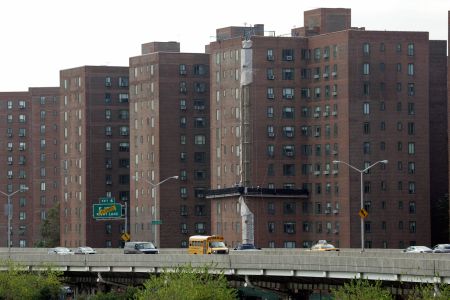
(187, 283)
(431, 292)
(17, 284)
(50, 229)
(362, 289)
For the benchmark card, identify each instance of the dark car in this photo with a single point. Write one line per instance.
(140, 248)
(246, 247)
(441, 248)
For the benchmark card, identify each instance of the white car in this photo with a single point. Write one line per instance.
(60, 251)
(85, 250)
(417, 249)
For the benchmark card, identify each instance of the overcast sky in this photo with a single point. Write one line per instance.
(41, 37)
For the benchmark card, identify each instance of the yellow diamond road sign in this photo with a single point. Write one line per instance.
(363, 213)
(125, 237)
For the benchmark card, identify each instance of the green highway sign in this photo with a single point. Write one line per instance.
(156, 222)
(107, 211)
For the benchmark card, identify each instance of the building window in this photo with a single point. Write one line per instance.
(289, 227)
(200, 228)
(288, 208)
(182, 69)
(287, 54)
(412, 207)
(270, 93)
(366, 108)
(270, 56)
(289, 170)
(289, 244)
(271, 150)
(411, 148)
(411, 89)
(271, 227)
(123, 81)
(200, 139)
(288, 93)
(270, 131)
(108, 131)
(366, 49)
(366, 69)
(410, 49)
(200, 70)
(411, 187)
(200, 87)
(412, 226)
(270, 111)
(123, 98)
(288, 150)
(108, 81)
(288, 112)
(270, 74)
(287, 73)
(411, 69)
(288, 131)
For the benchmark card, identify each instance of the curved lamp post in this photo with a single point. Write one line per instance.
(9, 214)
(385, 161)
(155, 220)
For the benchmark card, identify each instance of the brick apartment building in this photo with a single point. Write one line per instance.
(285, 108)
(29, 147)
(94, 152)
(169, 117)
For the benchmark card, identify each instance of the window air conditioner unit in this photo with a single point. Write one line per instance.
(270, 134)
(270, 57)
(325, 114)
(182, 72)
(328, 211)
(326, 172)
(185, 231)
(334, 93)
(316, 76)
(325, 75)
(336, 231)
(288, 57)
(289, 96)
(270, 96)
(317, 173)
(335, 172)
(334, 113)
(335, 211)
(271, 77)
(316, 115)
(334, 74)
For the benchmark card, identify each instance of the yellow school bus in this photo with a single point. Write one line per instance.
(207, 244)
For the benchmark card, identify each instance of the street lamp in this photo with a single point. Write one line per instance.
(154, 186)
(362, 189)
(9, 207)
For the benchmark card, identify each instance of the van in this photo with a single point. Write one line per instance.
(140, 248)
(207, 244)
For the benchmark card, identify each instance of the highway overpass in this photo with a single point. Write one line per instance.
(293, 268)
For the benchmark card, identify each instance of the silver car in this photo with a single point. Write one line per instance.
(417, 249)
(441, 248)
(60, 251)
(85, 250)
